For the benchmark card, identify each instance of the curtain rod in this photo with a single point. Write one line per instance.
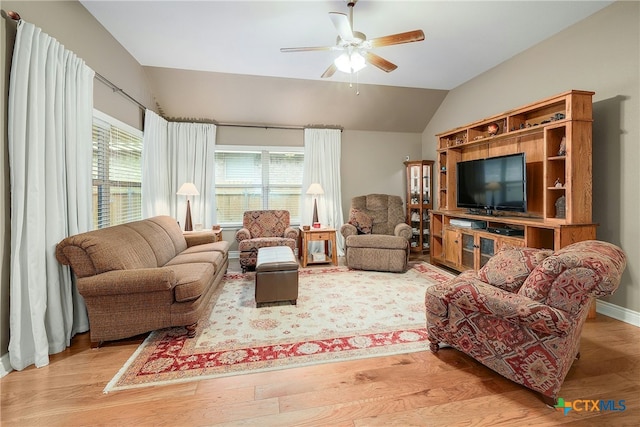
(16, 17)
(115, 88)
(257, 126)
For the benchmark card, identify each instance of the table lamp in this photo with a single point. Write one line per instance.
(315, 189)
(188, 189)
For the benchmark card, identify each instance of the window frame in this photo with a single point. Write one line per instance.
(265, 173)
(102, 179)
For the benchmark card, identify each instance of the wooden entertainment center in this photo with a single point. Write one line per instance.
(555, 134)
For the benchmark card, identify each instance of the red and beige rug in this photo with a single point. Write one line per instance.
(341, 315)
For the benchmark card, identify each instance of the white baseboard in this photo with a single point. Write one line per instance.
(619, 313)
(5, 365)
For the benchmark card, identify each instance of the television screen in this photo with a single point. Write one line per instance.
(496, 183)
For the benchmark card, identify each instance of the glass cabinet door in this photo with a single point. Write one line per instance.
(414, 184)
(487, 250)
(468, 250)
(426, 185)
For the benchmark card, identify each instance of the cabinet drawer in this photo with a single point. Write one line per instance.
(319, 236)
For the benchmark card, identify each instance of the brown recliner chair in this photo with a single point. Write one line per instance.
(376, 236)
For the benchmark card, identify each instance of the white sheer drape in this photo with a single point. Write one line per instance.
(156, 191)
(50, 112)
(322, 165)
(175, 153)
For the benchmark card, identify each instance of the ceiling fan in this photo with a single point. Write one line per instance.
(355, 46)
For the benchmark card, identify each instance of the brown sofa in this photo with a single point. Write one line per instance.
(376, 236)
(144, 275)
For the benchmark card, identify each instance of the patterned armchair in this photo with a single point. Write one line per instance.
(376, 236)
(522, 313)
(262, 229)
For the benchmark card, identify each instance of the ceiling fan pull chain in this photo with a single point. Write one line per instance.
(357, 83)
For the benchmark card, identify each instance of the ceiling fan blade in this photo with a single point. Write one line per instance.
(378, 61)
(329, 71)
(306, 49)
(341, 22)
(408, 37)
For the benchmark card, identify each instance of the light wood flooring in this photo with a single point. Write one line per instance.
(423, 389)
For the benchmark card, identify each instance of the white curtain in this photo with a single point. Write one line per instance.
(156, 191)
(50, 112)
(322, 165)
(192, 159)
(175, 153)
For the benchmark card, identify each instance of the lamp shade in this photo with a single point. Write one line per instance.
(188, 189)
(315, 189)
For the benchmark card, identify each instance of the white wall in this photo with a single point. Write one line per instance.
(600, 54)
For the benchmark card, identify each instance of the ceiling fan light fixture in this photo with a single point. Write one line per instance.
(350, 62)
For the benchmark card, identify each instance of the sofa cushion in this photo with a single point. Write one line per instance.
(361, 221)
(191, 280)
(221, 246)
(107, 249)
(263, 242)
(377, 241)
(510, 267)
(159, 240)
(266, 223)
(215, 258)
(170, 226)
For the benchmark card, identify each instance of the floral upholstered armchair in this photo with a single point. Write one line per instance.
(522, 313)
(262, 229)
(376, 236)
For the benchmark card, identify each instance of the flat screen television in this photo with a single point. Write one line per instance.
(495, 183)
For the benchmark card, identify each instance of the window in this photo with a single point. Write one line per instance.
(258, 178)
(117, 172)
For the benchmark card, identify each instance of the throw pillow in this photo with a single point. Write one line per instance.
(510, 267)
(361, 221)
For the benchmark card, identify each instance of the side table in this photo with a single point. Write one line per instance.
(328, 235)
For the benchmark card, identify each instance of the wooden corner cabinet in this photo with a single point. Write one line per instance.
(419, 202)
(555, 134)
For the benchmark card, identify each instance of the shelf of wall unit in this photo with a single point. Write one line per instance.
(419, 202)
(555, 134)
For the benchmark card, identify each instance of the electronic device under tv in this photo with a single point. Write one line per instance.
(495, 183)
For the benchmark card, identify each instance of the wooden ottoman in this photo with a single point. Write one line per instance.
(276, 275)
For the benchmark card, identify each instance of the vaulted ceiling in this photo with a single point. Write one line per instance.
(221, 60)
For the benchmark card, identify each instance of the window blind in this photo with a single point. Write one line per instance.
(117, 172)
(254, 180)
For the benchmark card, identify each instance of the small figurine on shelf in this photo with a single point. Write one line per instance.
(557, 184)
(563, 147)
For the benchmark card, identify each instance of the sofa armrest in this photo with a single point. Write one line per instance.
(199, 238)
(118, 282)
(348, 230)
(471, 294)
(243, 234)
(403, 230)
(291, 233)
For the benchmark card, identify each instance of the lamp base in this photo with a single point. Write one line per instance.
(315, 212)
(188, 226)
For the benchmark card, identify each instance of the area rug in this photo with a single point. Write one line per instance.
(340, 315)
